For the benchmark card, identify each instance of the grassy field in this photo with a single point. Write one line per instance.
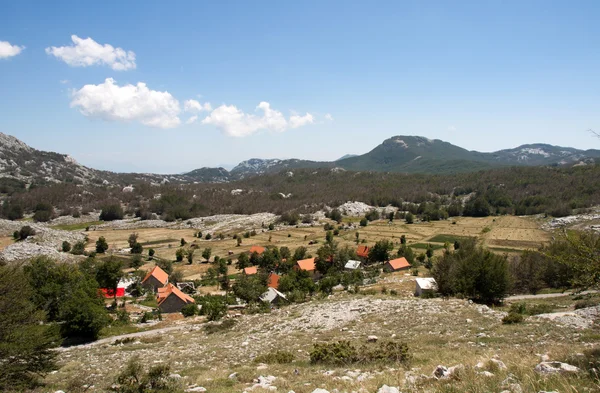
(77, 227)
(507, 234)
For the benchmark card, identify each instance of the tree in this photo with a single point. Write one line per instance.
(208, 236)
(26, 342)
(109, 273)
(132, 239)
(12, 211)
(380, 251)
(66, 246)
(206, 253)
(137, 248)
(410, 218)
(136, 262)
(190, 256)
(101, 245)
(403, 239)
(478, 207)
(165, 265)
(284, 252)
(182, 242)
(214, 307)
(179, 254)
(239, 241)
(111, 212)
(243, 261)
(250, 288)
(151, 253)
(300, 253)
(579, 252)
(336, 215)
(329, 237)
(429, 251)
(473, 272)
(364, 222)
(357, 236)
(43, 212)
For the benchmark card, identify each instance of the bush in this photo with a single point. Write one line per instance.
(212, 328)
(25, 232)
(344, 353)
(585, 303)
(214, 307)
(189, 310)
(78, 248)
(275, 357)
(66, 246)
(133, 379)
(512, 317)
(111, 213)
(101, 245)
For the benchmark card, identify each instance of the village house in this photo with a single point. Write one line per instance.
(249, 271)
(362, 252)
(256, 249)
(306, 264)
(352, 265)
(273, 296)
(273, 281)
(397, 264)
(425, 285)
(171, 299)
(157, 278)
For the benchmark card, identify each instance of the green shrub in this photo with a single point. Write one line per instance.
(275, 357)
(338, 353)
(219, 327)
(344, 353)
(189, 310)
(512, 317)
(66, 246)
(585, 303)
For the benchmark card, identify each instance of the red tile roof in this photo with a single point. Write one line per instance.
(399, 263)
(250, 270)
(157, 273)
(165, 292)
(306, 264)
(273, 281)
(257, 249)
(362, 251)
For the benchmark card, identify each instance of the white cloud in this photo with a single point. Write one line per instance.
(451, 128)
(299, 121)
(87, 52)
(108, 101)
(328, 117)
(192, 120)
(233, 122)
(195, 106)
(7, 50)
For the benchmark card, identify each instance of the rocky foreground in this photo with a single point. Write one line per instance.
(455, 346)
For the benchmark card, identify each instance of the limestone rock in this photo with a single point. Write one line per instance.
(556, 367)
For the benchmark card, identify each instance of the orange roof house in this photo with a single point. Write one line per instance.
(306, 264)
(257, 249)
(397, 264)
(273, 281)
(157, 278)
(250, 270)
(362, 251)
(171, 299)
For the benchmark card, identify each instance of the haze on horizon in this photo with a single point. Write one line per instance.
(166, 88)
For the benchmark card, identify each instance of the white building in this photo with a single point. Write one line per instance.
(352, 265)
(425, 285)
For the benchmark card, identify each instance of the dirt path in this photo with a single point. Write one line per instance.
(547, 295)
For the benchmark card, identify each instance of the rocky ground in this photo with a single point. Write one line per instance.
(456, 346)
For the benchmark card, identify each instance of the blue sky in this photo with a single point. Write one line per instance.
(338, 76)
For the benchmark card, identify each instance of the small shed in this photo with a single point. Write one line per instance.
(171, 299)
(251, 270)
(425, 285)
(362, 252)
(397, 264)
(273, 296)
(352, 265)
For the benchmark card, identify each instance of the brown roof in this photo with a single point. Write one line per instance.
(399, 263)
(362, 251)
(273, 281)
(250, 270)
(306, 264)
(257, 249)
(164, 293)
(157, 273)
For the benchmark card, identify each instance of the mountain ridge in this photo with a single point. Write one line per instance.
(404, 154)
